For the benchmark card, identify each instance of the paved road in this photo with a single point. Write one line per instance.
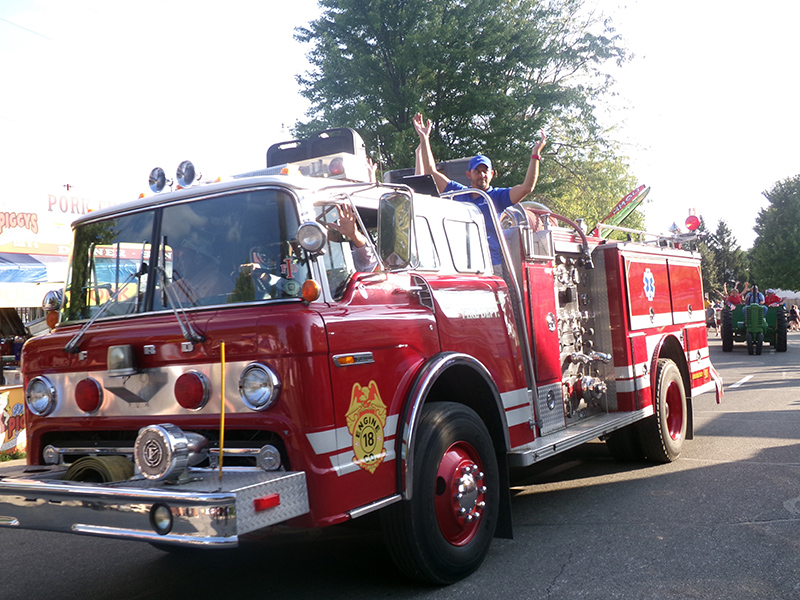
(723, 522)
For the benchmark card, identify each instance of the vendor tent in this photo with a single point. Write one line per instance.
(26, 278)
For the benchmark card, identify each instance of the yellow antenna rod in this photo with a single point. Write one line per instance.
(222, 412)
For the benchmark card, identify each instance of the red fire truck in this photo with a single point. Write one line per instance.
(225, 361)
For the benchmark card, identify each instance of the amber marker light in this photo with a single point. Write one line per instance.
(311, 290)
(51, 318)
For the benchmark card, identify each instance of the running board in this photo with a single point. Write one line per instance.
(574, 435)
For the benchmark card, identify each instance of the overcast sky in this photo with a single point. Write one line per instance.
(92, 88)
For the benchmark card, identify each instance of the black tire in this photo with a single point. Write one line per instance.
(624, 444)
(426, 536)
(781, 330)
(663, 433)
(759, 343)
(726, 330)
(750, 343)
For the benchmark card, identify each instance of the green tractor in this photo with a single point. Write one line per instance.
(749, 324)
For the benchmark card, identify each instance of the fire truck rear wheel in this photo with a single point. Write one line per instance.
(663, 433)
(443, 533)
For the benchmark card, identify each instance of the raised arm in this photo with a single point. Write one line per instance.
(518, 192)
(426, 165)
(347, 225)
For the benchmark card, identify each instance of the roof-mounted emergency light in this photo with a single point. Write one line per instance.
(158, 180)
(336, 153)
(185, 175)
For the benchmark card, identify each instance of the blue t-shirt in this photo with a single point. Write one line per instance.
(751, 298)
(501, 198)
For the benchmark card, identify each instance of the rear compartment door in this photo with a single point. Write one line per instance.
(686, 289)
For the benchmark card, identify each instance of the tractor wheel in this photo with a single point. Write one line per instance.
(759, 343)
(781, 330)
(663, 433)
(443, 532)
(750, 343)
(726, 330)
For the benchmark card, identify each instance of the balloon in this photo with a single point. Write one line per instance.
(692, 222)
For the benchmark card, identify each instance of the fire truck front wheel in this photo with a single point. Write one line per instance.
(443, 533)
(663, 433)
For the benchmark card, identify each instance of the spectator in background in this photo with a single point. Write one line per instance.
(794, 318)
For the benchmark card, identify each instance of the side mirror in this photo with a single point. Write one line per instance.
(396, 244)
(52, 300)
(52, 304)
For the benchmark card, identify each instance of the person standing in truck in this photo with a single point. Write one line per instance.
(480, 174)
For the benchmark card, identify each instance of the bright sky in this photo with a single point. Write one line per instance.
(91, 87)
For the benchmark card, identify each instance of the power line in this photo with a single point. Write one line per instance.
(26, 29)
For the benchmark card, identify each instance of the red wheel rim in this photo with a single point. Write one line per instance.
(460, 493)
(674, 408)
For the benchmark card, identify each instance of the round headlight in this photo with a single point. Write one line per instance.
(41, 396)
(259, 386)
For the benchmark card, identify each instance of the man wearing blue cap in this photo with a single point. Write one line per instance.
(480, 175)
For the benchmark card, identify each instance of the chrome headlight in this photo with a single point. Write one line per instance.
(41, 396)
(259, 386)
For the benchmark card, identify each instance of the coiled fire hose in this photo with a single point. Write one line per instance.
(100, 469)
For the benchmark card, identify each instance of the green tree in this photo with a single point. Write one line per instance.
(778, 237)
(488, 73)
(726, 262)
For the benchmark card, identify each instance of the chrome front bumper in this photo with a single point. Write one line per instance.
(206, 510)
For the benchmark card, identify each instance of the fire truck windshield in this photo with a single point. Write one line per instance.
(231, 248)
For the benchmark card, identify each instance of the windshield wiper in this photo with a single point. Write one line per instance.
(175, 304)
(73, 345)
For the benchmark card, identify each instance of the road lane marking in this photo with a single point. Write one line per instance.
(742, 381)
(791, 506)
